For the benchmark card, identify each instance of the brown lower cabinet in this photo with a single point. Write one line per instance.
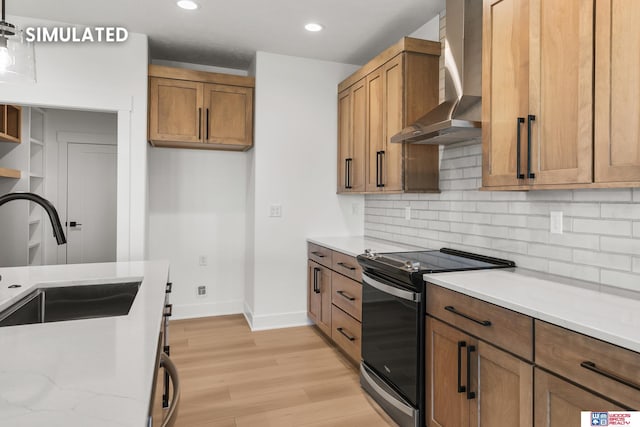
(472, 383)
(334, 297)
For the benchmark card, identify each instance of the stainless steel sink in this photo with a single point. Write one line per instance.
(71, 303)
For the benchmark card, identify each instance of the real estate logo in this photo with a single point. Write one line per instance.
(76, 34)
(611, 418)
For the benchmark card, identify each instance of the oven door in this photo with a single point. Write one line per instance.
(392, 338)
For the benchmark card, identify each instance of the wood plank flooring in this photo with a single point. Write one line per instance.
(292, 377)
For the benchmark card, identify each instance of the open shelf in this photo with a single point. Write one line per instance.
(10, 173)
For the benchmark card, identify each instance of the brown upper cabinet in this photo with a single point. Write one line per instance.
(10, 123)
(540, 114)
(376, 102)
(196, 109)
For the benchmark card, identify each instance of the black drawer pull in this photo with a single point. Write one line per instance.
(347, 266)
(470, 394)
(461, 388)
(316, 281)
(349, 337)
(345, 295)
(168, 310)
(466, 316)
(318, 254)
(167, 290)
(593, 368)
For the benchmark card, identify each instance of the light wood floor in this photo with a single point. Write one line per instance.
(232, 377)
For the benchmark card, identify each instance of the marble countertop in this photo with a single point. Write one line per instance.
(591, 310)
(355, 245)
(93, 372)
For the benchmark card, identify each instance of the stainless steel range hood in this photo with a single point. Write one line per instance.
(458, 118)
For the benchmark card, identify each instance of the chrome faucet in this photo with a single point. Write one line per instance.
(58, 232)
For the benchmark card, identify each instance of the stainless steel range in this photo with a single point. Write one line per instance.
(393, 322)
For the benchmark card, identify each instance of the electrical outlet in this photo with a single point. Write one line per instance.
(275, 211)
(201, 291)
(202, 260)
(407, 212)
(555, 223)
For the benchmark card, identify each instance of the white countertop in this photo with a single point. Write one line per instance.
(355, 245)
(594, 312)
(80, 373)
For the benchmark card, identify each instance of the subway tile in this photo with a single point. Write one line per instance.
(509, 245)
(427, 214)
(636, 229)
(636, 194)
(428, 234)
(440, 206)
(459, 162)
(551, 252)
(375, 226)
(620, 210)
(458, 206)
(459, 184)
(473, 150)
(475, 172)
(636, 265)
(580, 210)
(418, 223)
(450, 237)
(375, 211)
(400, 204)
(450, 216)
(379, 203)
(620, 245)
(451, 174)
(453, 152)
(528, 261)
(600, 226)
(550, 195)
(419, 204)
(620, 279)
(508, 196)
(477, 218)
(394, 212)
(480, 229)
(451, 195)
(538, 222)
(529, 208)
(493, 207)
(478, 241)
(602, 259)
(602, 195)
(509, 220)
(581, 241)
(529, 235)
(476, 195)
(440, 225)
(581, 272)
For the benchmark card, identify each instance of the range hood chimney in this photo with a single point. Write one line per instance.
(458, 118)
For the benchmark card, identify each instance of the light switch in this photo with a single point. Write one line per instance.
(275, 211)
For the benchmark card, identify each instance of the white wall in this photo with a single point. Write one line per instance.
(100, 77)
(429, 31)
(58, 123)
(294, 165)
(197, 207)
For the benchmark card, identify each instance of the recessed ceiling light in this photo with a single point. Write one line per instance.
(188, 4)
(313, 27)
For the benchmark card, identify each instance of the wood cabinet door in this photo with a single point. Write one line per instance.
(504, 389)
(344, 139)
(228, 115)
(559, 403)
(446, 405)
(319, 296)
(617, 91)
(357, 166)
(175, 110)
(561, 91)
(375, 130)
(393, 123)
(505, 91)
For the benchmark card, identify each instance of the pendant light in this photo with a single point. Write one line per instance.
(17, 56)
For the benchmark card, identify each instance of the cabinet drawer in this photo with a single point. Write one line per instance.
(319, 254)
(607, 369)
(499, 326)
(346, 332)
(347, 265)
(347, 294)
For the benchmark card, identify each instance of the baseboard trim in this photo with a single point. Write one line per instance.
(275, 321)
(192, 311)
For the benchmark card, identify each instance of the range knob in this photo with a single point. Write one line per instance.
(370, 253)
(412, 266)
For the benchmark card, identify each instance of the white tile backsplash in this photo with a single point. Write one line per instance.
(600, 240)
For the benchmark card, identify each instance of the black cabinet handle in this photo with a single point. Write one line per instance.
(519, 174)
(318, 254)
(466, 316)
(347, 266)
(379, 170)
(461, 388)
(531, 118)
(316, 284)
(206, 129)
(350, 173)
(167, 289)
(346, 173)
(470, 394)
(593, 368)
(168, 310)
(349, 337)
(199, 123)
(345, 295)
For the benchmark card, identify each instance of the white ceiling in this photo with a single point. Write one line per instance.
(228, 33)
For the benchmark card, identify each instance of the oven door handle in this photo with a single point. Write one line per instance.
(391, 290)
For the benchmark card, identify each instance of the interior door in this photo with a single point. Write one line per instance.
(91, 203)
